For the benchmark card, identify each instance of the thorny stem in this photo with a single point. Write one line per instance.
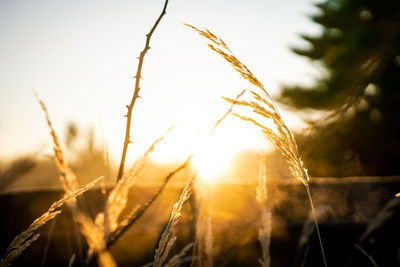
(316, 223)
(136, 92)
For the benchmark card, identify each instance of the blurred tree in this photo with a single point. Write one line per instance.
(90, 158)
(359, 49)
(71, 134)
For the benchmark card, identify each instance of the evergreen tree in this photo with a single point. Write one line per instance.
(359, 47)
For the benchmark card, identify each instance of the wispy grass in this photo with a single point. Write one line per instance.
(67, 177)
(369, 257)
(209, 242)
(93, 231)
(27, 237)
(168, 237)
(202, 255)
(204, 243)
(264, 230)
(118, 197)
(263, 105)
(71, 260)
(108, 226)
(177, 259)
(133, 216)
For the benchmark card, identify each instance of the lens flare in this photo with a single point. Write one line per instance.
(214, 157)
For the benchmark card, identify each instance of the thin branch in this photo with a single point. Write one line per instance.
(134, 217)
(136, 92)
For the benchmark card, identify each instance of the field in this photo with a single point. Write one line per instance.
(262, 209)
(345, 214)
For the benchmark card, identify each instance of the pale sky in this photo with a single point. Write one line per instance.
(80, 56)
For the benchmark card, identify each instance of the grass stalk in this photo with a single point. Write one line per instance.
(209, 242)
(27, 237)
(93, 231)
(264, 106)
(46, 247)
(197, 203)
(168, 238)
(71, 260)
(316, 222)
(175, 260)
(118, 197)
(166, 241)
(67, 177)
(264, 230)
(369, 257)
(133, 217)
(202, 255)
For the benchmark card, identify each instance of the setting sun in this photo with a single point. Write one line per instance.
(199, 133)
(213, 153)
(213, 159)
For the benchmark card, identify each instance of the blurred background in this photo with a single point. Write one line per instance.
(80, 57)
(333, 67)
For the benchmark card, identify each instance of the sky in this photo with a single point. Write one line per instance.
(81, 56)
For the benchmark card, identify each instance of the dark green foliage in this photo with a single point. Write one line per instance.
(359, 47)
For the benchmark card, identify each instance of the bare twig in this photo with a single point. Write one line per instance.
(136, 92)
(135, 216)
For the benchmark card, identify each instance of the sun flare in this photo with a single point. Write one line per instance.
(213, 159)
